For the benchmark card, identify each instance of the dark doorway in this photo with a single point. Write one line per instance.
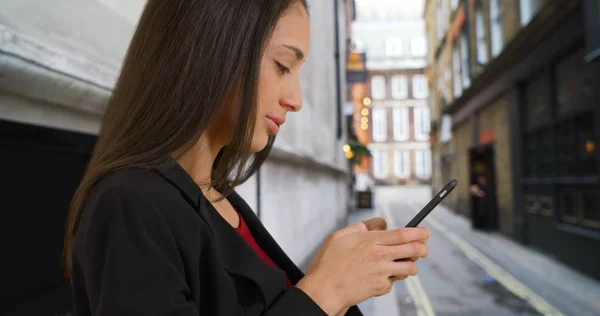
(484, 213)
(40, 169)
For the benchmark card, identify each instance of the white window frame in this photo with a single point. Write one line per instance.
(456, 73)
(421, 123)
(399, 87)
(496, 27)
(379, 119)
(379, 164)
(393, 47)
(378, 85)
(480, 34)
(464, 55)
(423, 164)
(401, 124)
(418, 46)
(528, 9)
(420, 87)
(402, 164)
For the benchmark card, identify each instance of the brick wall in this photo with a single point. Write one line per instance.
(462, 141)
(495, 115)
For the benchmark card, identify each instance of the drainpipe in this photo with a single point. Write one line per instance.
(337, 72)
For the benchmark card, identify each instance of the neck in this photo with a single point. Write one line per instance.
(198, 161)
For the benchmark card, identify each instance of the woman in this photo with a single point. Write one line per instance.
(155, 227)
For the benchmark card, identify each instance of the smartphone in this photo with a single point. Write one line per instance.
(432, 204)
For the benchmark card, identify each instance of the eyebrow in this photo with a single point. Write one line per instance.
(299, 54)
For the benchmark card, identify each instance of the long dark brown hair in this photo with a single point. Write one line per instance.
(187, 58)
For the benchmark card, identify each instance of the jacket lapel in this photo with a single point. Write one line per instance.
(236, 255)
(265, 240)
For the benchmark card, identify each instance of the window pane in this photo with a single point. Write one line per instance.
(530, 154)
(529, 9)
(545, 153)
(567, 202)
(400, 118)
(496, 26)
(590, 205)
(402, 164)
(420, 87)
(573, 84)
(378, 87)
(456, 71)
(393, 47)
(399, 87)
(418, 46)
(538, 102)
(480, 30)
(379, 124)
(464, 54)
(379, 164)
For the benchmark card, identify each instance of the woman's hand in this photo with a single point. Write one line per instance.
(356, 263)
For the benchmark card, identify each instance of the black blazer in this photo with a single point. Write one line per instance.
(150, 243)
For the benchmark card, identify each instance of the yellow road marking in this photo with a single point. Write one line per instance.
(506, 279)
(413, 284)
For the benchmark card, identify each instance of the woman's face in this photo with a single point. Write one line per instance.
(279, 81)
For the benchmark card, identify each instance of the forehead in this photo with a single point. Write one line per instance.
(293, 28)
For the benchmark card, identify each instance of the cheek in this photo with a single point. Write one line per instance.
(267, 87)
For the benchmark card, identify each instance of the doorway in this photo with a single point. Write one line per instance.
(484, 210)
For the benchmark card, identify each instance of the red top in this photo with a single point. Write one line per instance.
(247, 235)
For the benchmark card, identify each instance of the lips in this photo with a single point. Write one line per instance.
(274, 123)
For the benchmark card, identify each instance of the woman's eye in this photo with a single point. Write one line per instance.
(282, 69)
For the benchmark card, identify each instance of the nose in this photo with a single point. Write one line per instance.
(292, 96)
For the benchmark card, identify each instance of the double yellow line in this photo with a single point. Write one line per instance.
(413, 284)
(503, 277)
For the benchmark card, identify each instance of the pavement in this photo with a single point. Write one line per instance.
(471, 272)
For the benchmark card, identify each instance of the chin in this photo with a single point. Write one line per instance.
(259, 143)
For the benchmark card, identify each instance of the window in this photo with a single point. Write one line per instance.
(421, 123)
(379, 125)
(559, 149)
(399, 87)
(393, 47)
(528, 9)
(454, 4)
(496, 26)
(420, 87)
(402, 164)
(464, 54)
(423, 163)
(480, 34)
(400, 118)
(379, 164)
(456, 78)
(418, 46)
(378, 87)
(442, 19)
(446, 130)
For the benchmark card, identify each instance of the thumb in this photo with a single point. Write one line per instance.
(350, 229)
(375, 223)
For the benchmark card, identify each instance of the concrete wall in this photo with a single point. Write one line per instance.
(60, 60)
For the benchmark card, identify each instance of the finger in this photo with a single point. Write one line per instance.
(406, 251)
(401, 235)
(403, 269)
(376, 223)
(397, 278)
(354, 228)
(412, 259)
